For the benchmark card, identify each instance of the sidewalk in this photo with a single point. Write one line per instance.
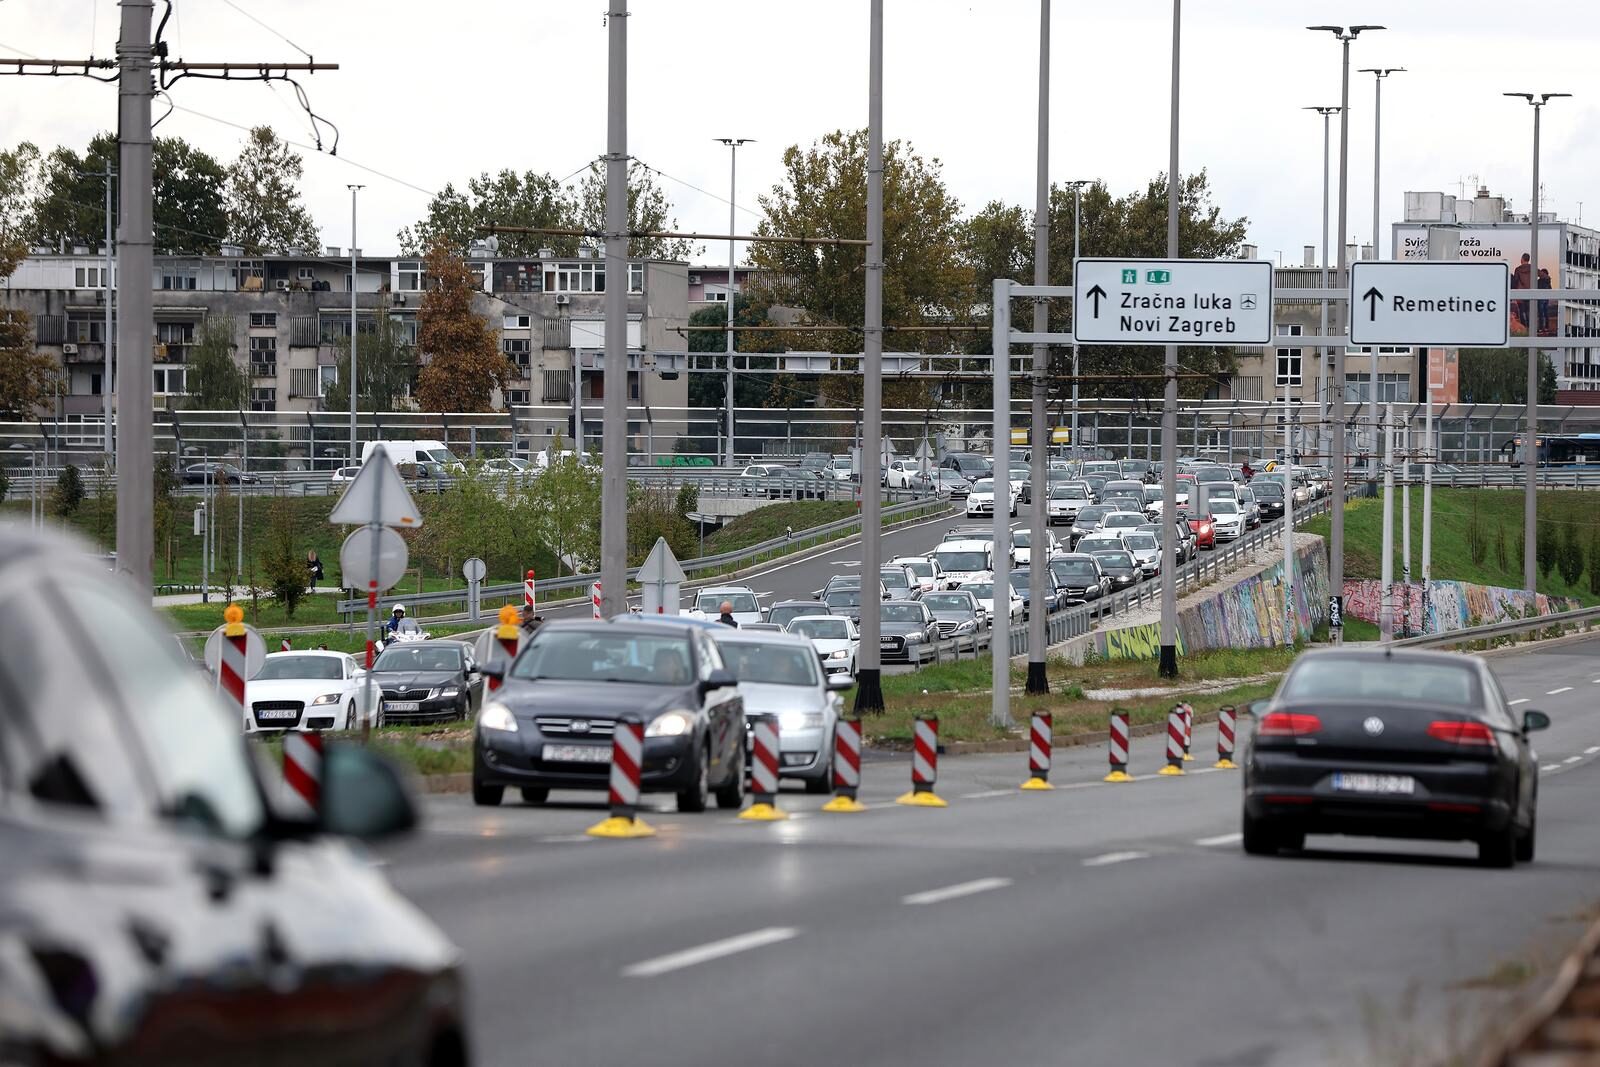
(218, 597)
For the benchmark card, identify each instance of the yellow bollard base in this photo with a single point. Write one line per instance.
(1118, 776)
(915, 799)
(1187, 758)
(1037, 783)
(1225, 764)
(617, 826)
(763, 813)
(844, 803)
(1171, 769)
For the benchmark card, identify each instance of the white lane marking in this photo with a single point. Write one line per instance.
(1597, 681)
(1114, 857)
(987, 793)
(1591, 750)
(1555, 692)
(1521, 700)
(951, 892)
(1220, 839)
(1551, 767)
(714, 950)
(1573, 759)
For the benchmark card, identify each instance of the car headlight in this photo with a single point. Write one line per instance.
(912, 639)
(326, 698)
(967, 627)
(445, 693)
(674, 723)
(496, 716)
(793, 721)
(839, 653)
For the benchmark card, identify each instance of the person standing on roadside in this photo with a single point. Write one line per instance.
(726, 618)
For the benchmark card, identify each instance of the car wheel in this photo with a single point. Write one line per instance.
(1525, 840)
(694, 799)
(487, 796)
(350, 716)
(731, 795)
(1259, 840)
(821, 784)
(532, 794)
(1499, 848)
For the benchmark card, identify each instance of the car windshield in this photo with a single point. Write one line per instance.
(1019, 581)
(1123, 520)
(279, 668)
(711, 603)
(1212, 474)
(1264, 488)
(962, 561)
(1019, 538)
(894, 578)
(770, 663)
(785, 613)
(821, 629)
(901, 613)
(1073, 568)
(1381, 681)
(947, 602)
(983, 485)
(920, 567)
(1093, 513)
(843, 598)
(1224, 506)
(1153, 495)
(426, 656)
(606, 656)
(981, 590)
(1065, 492)
(1140, 542)
(1119, 558)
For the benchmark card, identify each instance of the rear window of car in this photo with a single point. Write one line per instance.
(947, 602)
(1379, 680)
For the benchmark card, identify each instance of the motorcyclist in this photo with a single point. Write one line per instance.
(397, 616)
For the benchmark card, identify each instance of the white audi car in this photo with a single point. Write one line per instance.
(981, 499)
(835, 639)
(310, 690)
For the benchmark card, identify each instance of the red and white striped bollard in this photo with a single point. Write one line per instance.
(1040, 731)
(846, 767)
(627, 760)
(302, 771)
(764, 771)
(528, 590)
(1119, 747)
(1225, 720)
(924, 765)
(1174, 741)
(1188, 730)
(594, 598)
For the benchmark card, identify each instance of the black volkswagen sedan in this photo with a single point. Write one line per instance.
(426, 681)
(1407, 744)
(549, 725)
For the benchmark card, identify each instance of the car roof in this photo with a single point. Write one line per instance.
(818, 615)
(1403, 655)
(717, 590)
(730, 636)
(972, 545)
(311, 652)
(795, 604)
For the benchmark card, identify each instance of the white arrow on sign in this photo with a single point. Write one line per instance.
(377, 495)
(1432, 304)
(1172, 301)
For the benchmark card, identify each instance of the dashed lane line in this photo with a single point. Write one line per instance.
(1110, 858)
(714, 950)
(1551, 767)
(951, 892)
(1558, 692)
(1519, 700)
(1591, 750)
(1573, 759)
(1220, 839)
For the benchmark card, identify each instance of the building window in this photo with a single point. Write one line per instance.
(517, 396)
(1247, 388)
(1392, 388)
(264, 399)
(517, 349)
(179, 277)
(169, 381)
(406, 327)
(303, 381)
(306, 274)
(263, 357)
(1288, 366)
(247, 275)
(89, 277)
(175, 333)
(716, 296)
(326, 376)
(82, 330)
(411, 276)
(515, 322)
(633, 385)
(585, 276)
(635, 277)
(557, 387)
(266, 320)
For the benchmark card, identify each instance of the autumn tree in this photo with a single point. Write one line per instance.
(649, 211)
(454, 216)
(215, 381)
(20, 179)
(464, 362)
(28, 379)
(265, 214)
(386, 363)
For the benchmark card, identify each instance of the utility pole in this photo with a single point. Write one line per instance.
(1077, 213)
(733, 144)
(355, 391)
(869, 686)
(614, 436)
(1322, 364)
(1377, 170)
(1038, 644)
(106, 291)
(1169, 403)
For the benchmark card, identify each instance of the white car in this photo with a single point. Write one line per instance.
(835, 638)
(311, 690)
(1146, 551)
(839, 469)
(929, 575)
(778, 675)
(344, 475)
(1066, 500)
(746, 609)
(1122, 521)
(1021, 552)
(1100, 536)
(1227, 519)
(902, 473)
(981, 498)
(984, 591)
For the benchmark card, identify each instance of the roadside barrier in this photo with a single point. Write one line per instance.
(594, 598)
(1225, 718)
(764, 772)
(846, 767)
(527, 590)
(1040, 730)
(1119, 747)
(1188, 730)
(627, 757)
(1175, 751)
(508, 637)
(302, 770)
(283, 646)
(924, 765)
(231, 669)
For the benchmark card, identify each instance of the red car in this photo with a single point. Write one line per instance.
(1205, 535)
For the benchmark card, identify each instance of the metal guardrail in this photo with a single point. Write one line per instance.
(812, 536)
(1584, 617)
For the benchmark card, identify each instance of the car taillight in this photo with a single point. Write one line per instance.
(1460, 732)
(1288, 724)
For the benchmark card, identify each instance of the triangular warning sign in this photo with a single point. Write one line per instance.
(378, 494)
(660, 566)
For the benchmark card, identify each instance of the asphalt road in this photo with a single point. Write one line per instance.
(1095, 924)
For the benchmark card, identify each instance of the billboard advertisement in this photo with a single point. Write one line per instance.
(1444, 375)
(1507, 244)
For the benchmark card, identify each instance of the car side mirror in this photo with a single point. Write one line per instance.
(497, 673)
(1534, 720)
(721, 678)
(838, 682)
(364, 794)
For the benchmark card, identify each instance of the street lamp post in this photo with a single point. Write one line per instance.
(1322, 364)
(1168, 630)
(1530, 450)
(1336, 452)
(355, 455)
(1379, 73)
(733, 144)
(1077, 213)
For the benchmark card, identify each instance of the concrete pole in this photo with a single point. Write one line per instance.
(614, 438)
(1288, 519)
(869, 687)
(355, 391)
(1530, 436)
(1000, 618)
(109, 377)
(1077, 228)
(1336, 457)
(733, 144)
(1324, 369)
(1377, 140)
(135, 475)
(1038, 643)
(1386, 567)
(1169, 406)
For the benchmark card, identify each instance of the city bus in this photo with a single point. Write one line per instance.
(1557, 450)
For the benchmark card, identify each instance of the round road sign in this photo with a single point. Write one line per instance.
(255, 651)
(355, 558)
(473, 570)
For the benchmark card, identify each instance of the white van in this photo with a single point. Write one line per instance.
(965, 561)
(431, 458)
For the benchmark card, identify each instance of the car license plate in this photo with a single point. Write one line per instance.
(402, 705)
(577, 753)
(276, 713)
(886, 642)
(1385, 784)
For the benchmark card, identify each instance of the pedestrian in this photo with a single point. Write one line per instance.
(530, 621)
(313, 568)
(1247, 472)
(1547, 313)
(726, 618)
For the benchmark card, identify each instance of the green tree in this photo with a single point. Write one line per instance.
(28, 379)
(688, 500)
(265, 214)
(215, 380)
(454, 217)
(1570, 561)
(385, 361)
(564, 502)
(190, 213)
(749, 390)
(465, 365)
(1594, 561)
(652, 514)
(1546, 546)
(649, 211)
(282, 565)
(67, 497)
(1500, 376)
(997, 242)
(20, 181)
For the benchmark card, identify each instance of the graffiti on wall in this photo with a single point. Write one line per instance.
(1448, 605)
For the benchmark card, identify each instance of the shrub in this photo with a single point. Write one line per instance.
(1594, 561)
(1547, 547)
(283, 565)
(1477, 543)
(69, 492)
(688, 498)
(1570, 559)
(1502, 554)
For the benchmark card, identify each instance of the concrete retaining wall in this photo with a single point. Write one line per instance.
(1450, 605)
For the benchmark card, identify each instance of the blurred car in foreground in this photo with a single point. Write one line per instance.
(1409, 744)
(779, 675)
(155, 908)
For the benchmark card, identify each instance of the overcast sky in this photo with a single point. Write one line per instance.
(431, 92)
